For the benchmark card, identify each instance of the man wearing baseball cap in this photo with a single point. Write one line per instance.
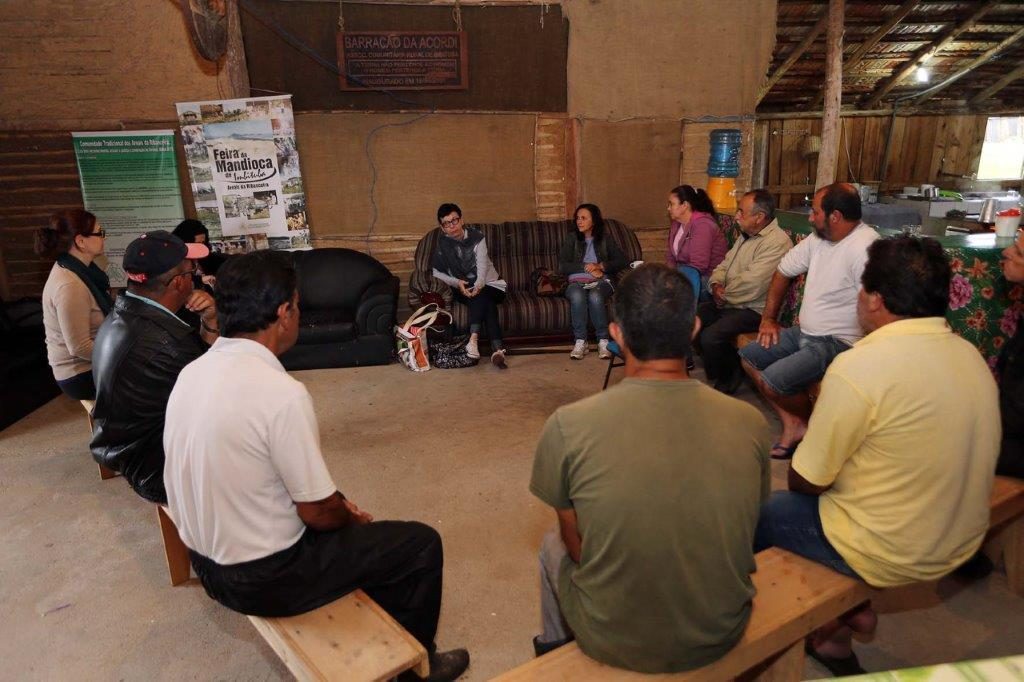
(140, 349)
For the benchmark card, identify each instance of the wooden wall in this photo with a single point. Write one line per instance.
(533, 81)
(116, 68)
(938, 150)
(556, 166)
(83, 64)
(664, 59)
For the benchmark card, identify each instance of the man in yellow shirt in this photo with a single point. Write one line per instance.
(892, 481)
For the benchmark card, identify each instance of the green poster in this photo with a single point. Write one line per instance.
(130, 181)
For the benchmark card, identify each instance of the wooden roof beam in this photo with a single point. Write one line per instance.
(865, 47)
(985, 94)
(797, 52)
(975, 63)
(925, 52)
(872, 40)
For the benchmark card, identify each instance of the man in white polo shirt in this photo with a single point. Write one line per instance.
(268, 532)
(784, 363)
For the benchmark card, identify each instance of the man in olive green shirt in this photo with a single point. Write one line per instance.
(656, 483)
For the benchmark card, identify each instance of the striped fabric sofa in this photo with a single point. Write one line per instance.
(517, 249)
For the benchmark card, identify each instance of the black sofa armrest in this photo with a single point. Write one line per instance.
(377, 307)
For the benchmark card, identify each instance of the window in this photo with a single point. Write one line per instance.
(1002, 154)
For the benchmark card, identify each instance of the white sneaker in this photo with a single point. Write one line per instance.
(472, 350)
(579, 350)
(602, 349)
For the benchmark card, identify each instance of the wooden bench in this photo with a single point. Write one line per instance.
(1006, 530)
(175, 552)
(178, 564)
(350, 639)
(105, 473)
(794, 597)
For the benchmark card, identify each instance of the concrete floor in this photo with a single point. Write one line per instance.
(84, 590)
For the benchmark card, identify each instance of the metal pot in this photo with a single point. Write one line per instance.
(988, 212)
(930, 192)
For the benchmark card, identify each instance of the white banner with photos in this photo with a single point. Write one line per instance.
(244, 168)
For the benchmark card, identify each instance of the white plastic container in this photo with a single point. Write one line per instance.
(1006, 225)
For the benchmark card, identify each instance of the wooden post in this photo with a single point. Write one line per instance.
(869, 43)
(829, 154)
(759, 175)
(234, 59)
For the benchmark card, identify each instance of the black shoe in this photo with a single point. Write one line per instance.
(730, 384)
(445, 666)
(690, 364)
(840, 667)
(540, 648)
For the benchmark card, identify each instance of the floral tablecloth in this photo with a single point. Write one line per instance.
(983, 307)
(1008, 669)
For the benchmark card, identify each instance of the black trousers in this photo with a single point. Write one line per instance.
(397, 563)
(483, 311)
(719, 327)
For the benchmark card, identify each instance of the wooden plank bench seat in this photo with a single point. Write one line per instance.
(1006, 530)
(794, 597)
(350, 639)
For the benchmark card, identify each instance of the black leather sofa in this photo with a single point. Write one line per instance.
(26, 380)
(347, 301)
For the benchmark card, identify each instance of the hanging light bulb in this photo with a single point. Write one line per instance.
(922, 74)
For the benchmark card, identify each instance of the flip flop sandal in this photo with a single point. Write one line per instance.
(785, 451)
(840, 667)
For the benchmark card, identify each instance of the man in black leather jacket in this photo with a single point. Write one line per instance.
(140, 349)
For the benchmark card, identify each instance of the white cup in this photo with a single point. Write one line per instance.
(635, 264)
(1006, 225)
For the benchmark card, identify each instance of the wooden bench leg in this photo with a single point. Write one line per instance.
(1008, 541)
(786, 666)
(105, 473)
(178, 564)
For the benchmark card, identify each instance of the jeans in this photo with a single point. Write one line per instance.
(791, 521)
(483, 312)
(593, 300)
(719, 328)
(552, 554)
(795, 362)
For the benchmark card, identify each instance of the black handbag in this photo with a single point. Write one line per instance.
(450, 354)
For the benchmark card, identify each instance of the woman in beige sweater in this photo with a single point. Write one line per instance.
(76, 298)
